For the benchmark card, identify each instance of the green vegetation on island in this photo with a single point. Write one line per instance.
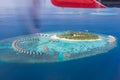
(78, 35)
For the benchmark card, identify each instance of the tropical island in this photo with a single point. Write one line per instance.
(54, 47)
(71, 35)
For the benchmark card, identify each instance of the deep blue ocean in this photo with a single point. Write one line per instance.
(25, 20)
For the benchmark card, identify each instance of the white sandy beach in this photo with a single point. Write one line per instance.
(55, 37)
(111, 39)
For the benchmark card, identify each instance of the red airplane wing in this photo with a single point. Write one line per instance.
(78, 3)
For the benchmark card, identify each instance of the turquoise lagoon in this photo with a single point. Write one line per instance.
(42, 47)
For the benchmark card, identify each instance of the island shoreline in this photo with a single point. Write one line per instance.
(55, 37)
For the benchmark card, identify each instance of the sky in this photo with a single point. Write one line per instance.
(22, 3)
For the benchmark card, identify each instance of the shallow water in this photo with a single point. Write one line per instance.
(44, 48)
(18, 21)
